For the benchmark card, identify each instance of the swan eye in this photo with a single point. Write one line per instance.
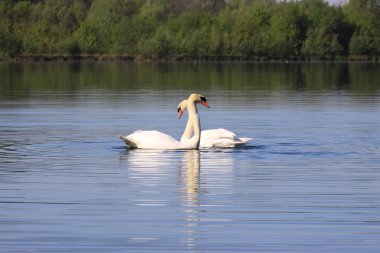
(203, 99)
(179, 109)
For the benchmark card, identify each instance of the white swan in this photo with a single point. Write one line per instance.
(157, 140)
(213, 138)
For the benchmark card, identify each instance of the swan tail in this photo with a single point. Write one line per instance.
(127, 141)
(245, 140)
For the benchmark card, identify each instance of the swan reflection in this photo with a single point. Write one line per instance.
(189, 172)
(194, 170)
(161, 178)
(189, 185)
(151, 168)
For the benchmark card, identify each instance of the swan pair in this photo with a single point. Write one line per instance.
(210, 138)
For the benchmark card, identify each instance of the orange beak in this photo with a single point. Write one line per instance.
(205, 104)
(180, 112)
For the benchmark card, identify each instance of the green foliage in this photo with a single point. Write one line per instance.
(250, 33)
(364, 15)
(287, 31)
(328, 32)
(10, 44)
(172, 29)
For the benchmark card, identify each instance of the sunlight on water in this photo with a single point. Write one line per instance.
(308, 182)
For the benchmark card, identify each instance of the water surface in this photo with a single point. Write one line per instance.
(309, 181)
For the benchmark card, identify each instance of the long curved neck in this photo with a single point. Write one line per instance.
(188, 130)
(194, 118)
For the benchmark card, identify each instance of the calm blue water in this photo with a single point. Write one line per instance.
(309, 181)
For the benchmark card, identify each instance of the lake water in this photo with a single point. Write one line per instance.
(308, 182)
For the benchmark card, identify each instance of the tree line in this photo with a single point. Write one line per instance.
(183, 29)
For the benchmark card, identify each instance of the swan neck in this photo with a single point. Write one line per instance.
(188, 130)
(194, 118)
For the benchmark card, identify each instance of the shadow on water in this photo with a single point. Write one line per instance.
(22, 80)
(154, 155)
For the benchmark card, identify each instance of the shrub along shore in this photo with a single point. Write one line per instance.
(139, 58)
(183, 30)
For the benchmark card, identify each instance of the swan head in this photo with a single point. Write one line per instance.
(182, 106)
(198, 98)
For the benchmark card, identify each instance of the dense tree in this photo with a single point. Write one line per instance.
(328, 32)
(250, 32)
(287, 30)
(364, 15)
(175, 29)
(10, 44)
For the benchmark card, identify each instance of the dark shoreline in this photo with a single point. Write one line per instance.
(140, 58)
